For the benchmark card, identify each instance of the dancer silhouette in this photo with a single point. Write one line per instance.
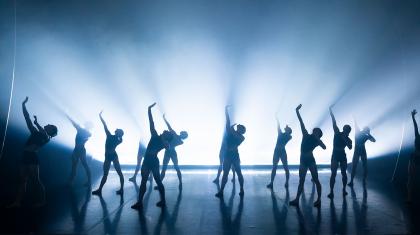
(307, 160)
(151, 162)
(79, 152)
(222, 153)
(361, 137)
(170, 152)
(29, 168)
(414, 159)
(234, 138)
(140, 153)
(280, 153)
(339, 158)
(111, 156)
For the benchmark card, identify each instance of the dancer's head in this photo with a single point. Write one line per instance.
(51, 130)
(241, 129)
(88, 126)
(317, 132)
(183, 135)
(346, 129)
(366, 130)
(166, 136)
(119, 132)
(288, 130)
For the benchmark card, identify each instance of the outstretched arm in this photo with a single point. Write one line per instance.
(413, 116)
(27, 117)
(302, 125)
(151, 122)
(167, 124)
(75, 125)
(335, 127)
(371, 138)
(322, 144)
(104, 123)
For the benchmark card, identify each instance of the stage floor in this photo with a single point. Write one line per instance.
(195, 210)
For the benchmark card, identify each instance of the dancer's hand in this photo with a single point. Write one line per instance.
(298, 107)
(35, 120)
(26, 100)
(152, 105)
(100, 113)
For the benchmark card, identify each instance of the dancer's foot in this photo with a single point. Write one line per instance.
(350, 184)
(161, 204)
(132, 179)
(317, 203)
(180, 187)
(97, 192)
(120, 192)
(294, 202)
(270, 185)
(219, 194)
(137, 206)
(344, 192)
(216, 181)
(331, 195)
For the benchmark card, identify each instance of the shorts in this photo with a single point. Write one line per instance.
(307, 160)
(339, 157)
(30, 158)
(111, 156)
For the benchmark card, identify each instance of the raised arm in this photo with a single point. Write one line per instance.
(75, 125)
(302, 125)
(28, 121)
(228, 127)
(413, 116)
(278, 125)
(167, 123)
(320, 143)
(151, 122)
(104, 123)
(39, 127)
(371, 138)
(335, 127)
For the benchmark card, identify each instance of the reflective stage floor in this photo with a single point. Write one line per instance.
(195, 210)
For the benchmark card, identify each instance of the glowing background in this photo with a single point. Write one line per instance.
(193, 57)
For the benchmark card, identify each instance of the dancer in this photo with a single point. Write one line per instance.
(307, 160)
(79, 152)
(361, 137)
(222, 153)
(29, 168)
(234, 138)
(170, 152)
(414, 162)
(339, 158)
(280, 153)
(140, 154)
(151, 162)
(111, 143)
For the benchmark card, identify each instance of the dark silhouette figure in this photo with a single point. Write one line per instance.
(361, 137)
(414, 162)
(339, 158)
(29, 168)
(307, 160)
(140, 153)
(79, 152)
(111, 143)
(280, 153)
(170, 152)
(234, 138)
(222, 154)
(151, 162)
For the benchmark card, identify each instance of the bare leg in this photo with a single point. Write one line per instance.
(161, 188)
(106, 166)
(334, 167)
(355, 162)
(145, 173)
(227, 165)
(276, 159)
(234, 173)
(240, 177)
(178, 171)
(365, 168)
(136, 171)
(74, 161)
(314, 172)
(35, 172)
(117, 167)
(165, 163)
(343, 167)
(286, 170)
(302, 175)
(85, 165)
